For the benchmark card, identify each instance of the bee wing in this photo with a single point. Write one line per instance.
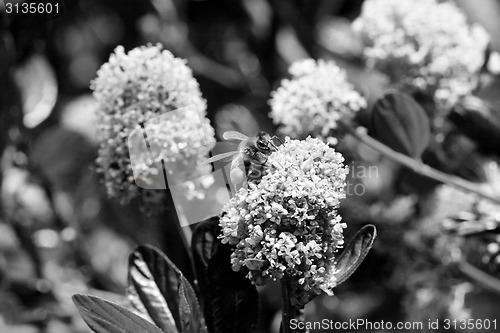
(233, 135)
(226, 157)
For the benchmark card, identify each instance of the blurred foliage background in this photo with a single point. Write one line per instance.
(60, 234)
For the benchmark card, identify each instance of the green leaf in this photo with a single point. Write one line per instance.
(401, 123)
(106, 317)
(354, 253)
(158, 289)
(204, 240)
(232, 298)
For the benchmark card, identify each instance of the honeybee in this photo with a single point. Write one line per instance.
(250, 157)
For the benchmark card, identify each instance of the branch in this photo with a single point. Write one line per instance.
(484, 279)
(419, 167)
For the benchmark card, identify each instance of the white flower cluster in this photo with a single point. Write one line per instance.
(423, 45)
(288, 225)
(314, 99)
(132, 89)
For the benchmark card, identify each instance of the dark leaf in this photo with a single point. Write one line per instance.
(190, 311)
(355, 252)
(157, 288)
(232, 299)
(202, 245)
(458, 155)
(190, 318)
(106, 317)
(480, 121)
(401, 123)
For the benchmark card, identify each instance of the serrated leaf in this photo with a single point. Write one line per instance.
(401, 123)
(158, 285)
(190, 311)
(232, 298)
(190, 319)
(354, 253)
(145, 295)
(106, 317)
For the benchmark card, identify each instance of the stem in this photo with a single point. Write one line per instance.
(289, 311)
(486, 280)
(418, 166)
(287, 307)
(185, 262)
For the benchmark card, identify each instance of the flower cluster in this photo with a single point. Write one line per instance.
(288, 224)
(424, 45)
(133, 89)
(314, 99)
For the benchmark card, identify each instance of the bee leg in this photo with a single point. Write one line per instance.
(260, 157)
(255, 169)
(237, 176)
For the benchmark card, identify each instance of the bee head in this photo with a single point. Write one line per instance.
(263, 140)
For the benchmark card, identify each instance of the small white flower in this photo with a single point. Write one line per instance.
(313, 100)
(294, 227)
(423, 45)
(132, 88)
